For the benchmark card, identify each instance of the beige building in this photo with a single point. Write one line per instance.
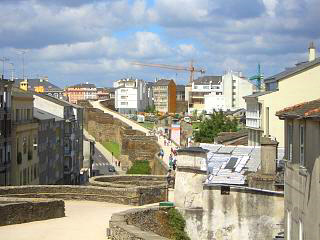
(25, 162)
(164, 95)
(302, 171)
(294, 85)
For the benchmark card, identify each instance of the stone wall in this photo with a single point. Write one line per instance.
(22, 210)
(116, 193)
(142, 224)
(227, 212)
(134, 144)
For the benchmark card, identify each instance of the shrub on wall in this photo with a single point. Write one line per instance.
(140, 167)
(178, 223)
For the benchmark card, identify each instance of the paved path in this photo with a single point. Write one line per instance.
(136, 126)
(111, 159)
(84, 220)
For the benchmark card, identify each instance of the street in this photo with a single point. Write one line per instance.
(101, 164)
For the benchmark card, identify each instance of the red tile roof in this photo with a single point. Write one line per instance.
(301, 110)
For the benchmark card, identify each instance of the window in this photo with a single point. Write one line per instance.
(302, 140)
(205, 87)
(124, 103)
(289, 140)
(195, 87)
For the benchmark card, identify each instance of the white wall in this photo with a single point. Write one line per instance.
(213, 101)
(48, 106)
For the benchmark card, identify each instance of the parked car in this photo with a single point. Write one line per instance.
(111, 168)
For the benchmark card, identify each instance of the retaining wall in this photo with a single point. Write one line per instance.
(139, 224)
(22, 210)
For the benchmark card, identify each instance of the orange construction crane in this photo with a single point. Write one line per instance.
(191, 68)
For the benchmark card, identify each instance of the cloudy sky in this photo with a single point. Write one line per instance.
(73, 41)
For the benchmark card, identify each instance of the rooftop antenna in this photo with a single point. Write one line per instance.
(3, 60)
(23, 52)
(12, 71)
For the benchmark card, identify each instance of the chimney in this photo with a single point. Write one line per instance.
(269, 149)
(24, 85)
(312, 52)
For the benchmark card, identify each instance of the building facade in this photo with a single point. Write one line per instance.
(72, 133)
(25, 161)
(164, 95)
(292, 86)
(50, 147)
(6, 133)
(83, 91)
(302, 170)
(200, 88)
(130, 95)
(102, 94)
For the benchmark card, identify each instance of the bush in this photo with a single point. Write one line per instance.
(140, 167)
(178, 223)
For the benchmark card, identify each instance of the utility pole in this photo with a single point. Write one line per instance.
(3, 59)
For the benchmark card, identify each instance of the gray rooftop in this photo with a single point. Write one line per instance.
(229, 164)
(162, 82)
(84, 85)
(34, 82)
(43, 115)
(257, 94)
(215, 80)
(180, 88)
(293, 70)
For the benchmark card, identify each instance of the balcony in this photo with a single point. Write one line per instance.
(253, 122)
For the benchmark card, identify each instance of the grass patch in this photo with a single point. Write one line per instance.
(177, 223)
(140, 167)
(112, 146)
(147, 125)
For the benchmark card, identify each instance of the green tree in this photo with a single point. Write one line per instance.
(209, 128)
(194, 115)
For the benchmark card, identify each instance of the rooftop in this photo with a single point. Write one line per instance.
(56, 100)
(83, 85)
(43, 115)
(180, 88)
(257, 94)
(34, 82)
(293, 70)
(303, 110)
(163, 82)
(230, 164)
(192, 150)
(215, 80)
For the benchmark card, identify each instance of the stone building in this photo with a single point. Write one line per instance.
(72, 133)
(25, 161)
(212, 192)
(50, 147)
(164, 94)
(6, 133)
(302, 170)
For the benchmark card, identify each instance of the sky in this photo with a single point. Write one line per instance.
(95, 41)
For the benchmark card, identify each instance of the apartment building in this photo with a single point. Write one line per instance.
(181, 93)
(83, 91)
(25, 161)
(202, 87)
(50, 147)
(292, 86)
(149, 92)
(130, 95)
(6, 133)
(40, 85)
(102, 94)
(164, 95)
(72, 116)
(302, 170)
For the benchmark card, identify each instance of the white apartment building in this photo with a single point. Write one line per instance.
(130, 95)
(219, 92)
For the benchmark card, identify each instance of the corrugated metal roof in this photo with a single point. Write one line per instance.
(229, 164)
